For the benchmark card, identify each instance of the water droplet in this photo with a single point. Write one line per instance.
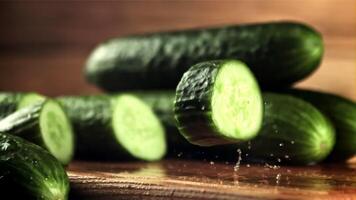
(286, 156)
(271, 154)
(249, 145)
(212, 163)
(281, 144)
(292, 142)
(279, 160)
(248, 165)
(278, 178)
(180, 154)
(237, 165)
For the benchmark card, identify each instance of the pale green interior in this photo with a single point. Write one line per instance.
(56, 131)
(138, 129)
(237, 105)
(30, 99)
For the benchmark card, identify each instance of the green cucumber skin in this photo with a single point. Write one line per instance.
(342, 113)
(192, 106)
(26, 169)
(91, 120)
(140, 62)
(162, 103)
(8, 103)
(290, 127)
(24, 123)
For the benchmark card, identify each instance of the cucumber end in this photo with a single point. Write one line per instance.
(324, 140)
(56, 131)
(237, 105)
(137, 128)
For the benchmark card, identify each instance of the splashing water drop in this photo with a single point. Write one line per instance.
(237, 165)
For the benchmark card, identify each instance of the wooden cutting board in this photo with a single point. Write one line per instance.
(186, 179)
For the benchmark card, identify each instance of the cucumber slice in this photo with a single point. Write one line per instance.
(56, 131)
(342, 113)
(133, 123)
(10, 102)
(118, 127)
(218, 102)
(162, 103)
(45, 124)
(30, 172)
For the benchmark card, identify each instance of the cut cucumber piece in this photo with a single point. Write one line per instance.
(30, 172)
(342, 113)
(278, 53)
(10, 102)
(137, 128)
(119, 127)
(45, 124)
(162, 103)
(218, 102)
(293, 131)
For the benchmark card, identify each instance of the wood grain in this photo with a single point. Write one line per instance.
(44, 44)
(184, 179)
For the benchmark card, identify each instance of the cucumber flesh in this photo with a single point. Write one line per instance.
(43, 123)
(29, 99)
(218, 102)
(234, 98)
(56, 131)
(30, 172)
(137, 129)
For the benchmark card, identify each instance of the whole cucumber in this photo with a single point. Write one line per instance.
(29, 172)
(278, 53)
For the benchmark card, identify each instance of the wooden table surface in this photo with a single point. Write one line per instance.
(188, 179)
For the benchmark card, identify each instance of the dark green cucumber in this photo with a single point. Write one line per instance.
(115, 128)
(29, 172)
(278, 53)
(42, 122)
(162, 103)
(293, 131)
(342, 113)
(218, 102)
(10, 101)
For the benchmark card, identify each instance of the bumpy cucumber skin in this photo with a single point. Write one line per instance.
(192, 106)
(30, 172)
(278, 53)
(162, 103)
(293, 131)
(26, 125)
(91, 120)
(8, 103)
(342, 113)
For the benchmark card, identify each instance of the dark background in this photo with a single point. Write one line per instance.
(44, 44)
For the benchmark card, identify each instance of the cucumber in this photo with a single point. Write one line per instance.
(293, 131)
(29, 172)
(10, 102)
(41, 121)
(162, 103)
(278, 53)
(108, 128)
(342, 113)
(218, 102)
